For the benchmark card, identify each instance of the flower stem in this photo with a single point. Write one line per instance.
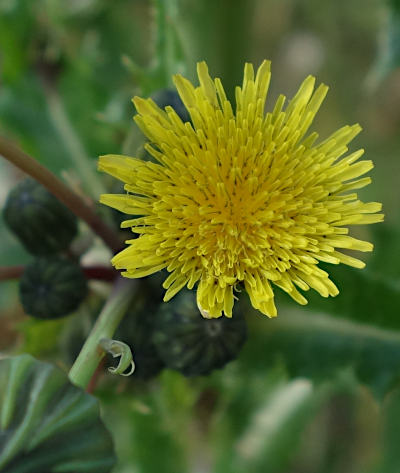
(63, 193)
(11, 272)
(98, 272)
(109, 318)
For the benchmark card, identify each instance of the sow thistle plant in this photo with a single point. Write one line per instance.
(239, 197)
(232, 199)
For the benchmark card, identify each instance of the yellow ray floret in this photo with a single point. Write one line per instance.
(240, 195)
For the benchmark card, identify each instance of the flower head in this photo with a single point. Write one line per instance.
(240, 195)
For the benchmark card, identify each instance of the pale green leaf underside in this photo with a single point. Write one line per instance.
(48, 424)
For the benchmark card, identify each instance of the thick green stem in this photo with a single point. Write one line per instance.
(109, 318)
(63, 193)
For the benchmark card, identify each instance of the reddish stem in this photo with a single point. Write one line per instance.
(96, 375)
(100, 273)
(63, 193)
(11, 272)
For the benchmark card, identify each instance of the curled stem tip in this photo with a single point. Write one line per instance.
(106, 324)
(121, 350)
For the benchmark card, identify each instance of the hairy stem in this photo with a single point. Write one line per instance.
(109, 318)
(63, 193)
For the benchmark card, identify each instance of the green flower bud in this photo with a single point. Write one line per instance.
(193, 345)
(40, 221)
(52, 287)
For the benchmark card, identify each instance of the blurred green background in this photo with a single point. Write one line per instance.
(314, 391)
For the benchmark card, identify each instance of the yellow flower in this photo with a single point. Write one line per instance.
(240, 196)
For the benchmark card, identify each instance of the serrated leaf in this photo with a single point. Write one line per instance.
(318, 346)
(365, 296)
(262, 419)
(270, 440)
(48, 424)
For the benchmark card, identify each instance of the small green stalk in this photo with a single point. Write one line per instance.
(109, 318)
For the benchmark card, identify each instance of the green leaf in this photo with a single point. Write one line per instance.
(366, 296)
(371, 295)
(389, 461)
(385, 259)
(48, 424)
(24, 117)
(262, 422)
(273, 435)
(41, 337)
(154, 426)
(317, 346)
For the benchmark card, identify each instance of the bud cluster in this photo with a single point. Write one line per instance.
(52, 285)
